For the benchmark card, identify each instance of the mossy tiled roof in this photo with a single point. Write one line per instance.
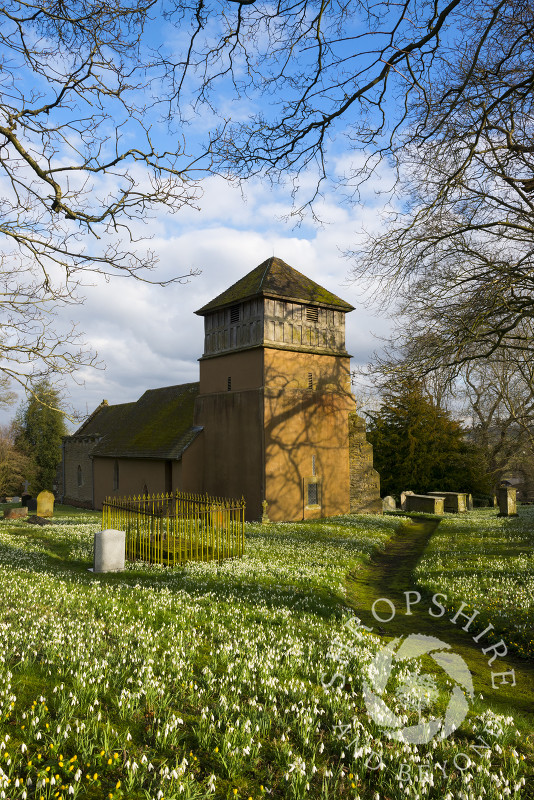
(104, 419)
(275, 278)
(159, 425)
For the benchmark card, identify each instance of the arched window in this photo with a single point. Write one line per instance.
(80, 480)
(116, 475)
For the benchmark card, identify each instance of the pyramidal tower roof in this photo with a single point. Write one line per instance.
(275, 278)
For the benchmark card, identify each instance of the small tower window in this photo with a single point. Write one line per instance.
(229, 387)
(116, 475)
(310, 380)
(312, 313)
(234, 314)
(80, 479)
(313, 466)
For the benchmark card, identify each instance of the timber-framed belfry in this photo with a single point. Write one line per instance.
(272, 419)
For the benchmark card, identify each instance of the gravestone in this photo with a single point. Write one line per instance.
(389, 504)
(469, 502)
(507, 502)
(25, 499)
(425, 503)
(45, 504)
(15, 499)
(15, 513)
(109, 551)
(455, 502)
(403, 499)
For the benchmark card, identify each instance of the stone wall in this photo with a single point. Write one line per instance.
(270, 442)
(78, 471)
(306, 442)
(232, 465)
(135, 476)
(364, 480)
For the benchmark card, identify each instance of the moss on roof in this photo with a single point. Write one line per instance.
(104, 419)
(158, 425)
(275, 278)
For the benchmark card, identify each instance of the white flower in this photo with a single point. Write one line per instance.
(211, 783)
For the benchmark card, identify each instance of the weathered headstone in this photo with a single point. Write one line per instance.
(25, 499)
(469, 502)
(45, 504)
(26, 487)
(403, 499)
(15, 499)
(109, 551)
(507, 501)
(389, 504)
(15, 513)
(425, 503)
(32, 504)
(455, 502)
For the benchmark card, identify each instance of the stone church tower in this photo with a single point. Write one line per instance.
(275, 406)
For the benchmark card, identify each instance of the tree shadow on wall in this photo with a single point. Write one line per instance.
(306, 436)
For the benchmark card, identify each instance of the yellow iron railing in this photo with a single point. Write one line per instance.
(177, 527)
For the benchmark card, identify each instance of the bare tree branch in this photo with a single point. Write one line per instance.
(82, 165)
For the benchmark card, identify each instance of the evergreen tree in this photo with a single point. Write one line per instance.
(41, 425)
(418, 446)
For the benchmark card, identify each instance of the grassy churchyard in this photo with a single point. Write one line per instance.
(251, 679)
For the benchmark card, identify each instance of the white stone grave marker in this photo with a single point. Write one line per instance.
(109, 551)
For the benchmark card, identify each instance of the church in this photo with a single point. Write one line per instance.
(272, 417)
